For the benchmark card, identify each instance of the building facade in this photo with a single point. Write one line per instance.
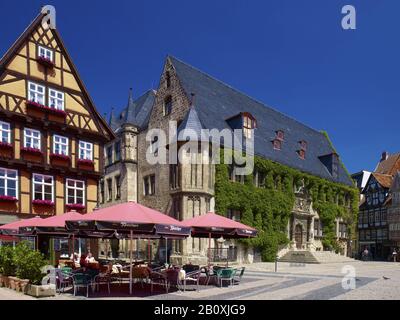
(394, 212)
(377, 201)
(193, 100)
(52, 137)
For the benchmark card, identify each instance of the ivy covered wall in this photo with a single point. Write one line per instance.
(268, 207)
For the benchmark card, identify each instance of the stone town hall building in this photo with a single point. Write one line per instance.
(184, 191)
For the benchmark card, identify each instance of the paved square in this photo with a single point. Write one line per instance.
(374, 280)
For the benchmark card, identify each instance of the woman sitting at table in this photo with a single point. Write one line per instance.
(90, 258)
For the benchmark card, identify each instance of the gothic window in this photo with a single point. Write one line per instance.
(117, 148)
(193, 174)
(154, 146)
(117, 187)
(109, 188)
(167, 105)
(149, 184)
(109, 155)
(174, 176)
(168, 79)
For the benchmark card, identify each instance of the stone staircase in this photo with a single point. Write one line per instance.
(293, 256)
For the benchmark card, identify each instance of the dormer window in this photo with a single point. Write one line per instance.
(167, 105)
(277, 144)
(249, 124)
(280, 135)
(302, 154)
(303, 148)
(303, 145)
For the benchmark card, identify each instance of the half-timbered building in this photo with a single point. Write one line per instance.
(51, 136)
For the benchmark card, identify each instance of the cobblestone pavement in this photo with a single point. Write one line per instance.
(373, 280)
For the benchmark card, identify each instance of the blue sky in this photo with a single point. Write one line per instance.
(292, 55)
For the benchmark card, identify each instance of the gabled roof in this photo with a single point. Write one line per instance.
(390, 165)
(216, 102)
(98, 119)
(137, 112)
(385, 180)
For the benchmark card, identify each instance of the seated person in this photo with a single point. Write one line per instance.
(90, 258)
(82, 261)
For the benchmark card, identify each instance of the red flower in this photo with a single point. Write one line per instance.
(60, 156)
(76, 206)
(86, 162)
(43, 202)
(45, 62)
(5, 145)
(39, 106)
(8, 198)
(32, 150)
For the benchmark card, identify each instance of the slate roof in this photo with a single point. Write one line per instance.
(137, 112)
(216, 102)
(191, 127)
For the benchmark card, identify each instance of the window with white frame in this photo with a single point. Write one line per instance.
(32, 138)
(75, 191)
(43, 187)
(60, 145)
(56, 99)
(85, 150)
(8, 182)
(36, 93)
(5, 132)
(45, 53)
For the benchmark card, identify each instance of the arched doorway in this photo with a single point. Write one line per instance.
(298, 236)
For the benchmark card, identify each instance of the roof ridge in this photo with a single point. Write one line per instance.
(244, 94)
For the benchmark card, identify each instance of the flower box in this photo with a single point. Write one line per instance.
(32, 151)
(63, 157)
(85, 162)
(75, 206)
(5, 146)
(7, 199)
(45, 62)
(47, 203)
(44, 108)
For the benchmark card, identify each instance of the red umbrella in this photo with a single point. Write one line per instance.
(213, 225)
(54, 224)
(13, 228)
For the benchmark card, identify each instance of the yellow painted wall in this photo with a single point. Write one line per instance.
(72, 104)
(17, 88)
(18, 64)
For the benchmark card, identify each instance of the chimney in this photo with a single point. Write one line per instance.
(385, 156)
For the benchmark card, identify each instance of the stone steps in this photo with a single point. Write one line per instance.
(293, 256)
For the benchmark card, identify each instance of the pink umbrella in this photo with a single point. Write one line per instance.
(13, 228)
(130, 217)
(213, 225)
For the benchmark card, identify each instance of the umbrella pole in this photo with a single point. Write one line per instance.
(209, 249)
(130, 267)
(73, 250)
(148, 251)
(166, 251)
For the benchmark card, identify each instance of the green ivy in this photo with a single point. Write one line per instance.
(268, 207)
